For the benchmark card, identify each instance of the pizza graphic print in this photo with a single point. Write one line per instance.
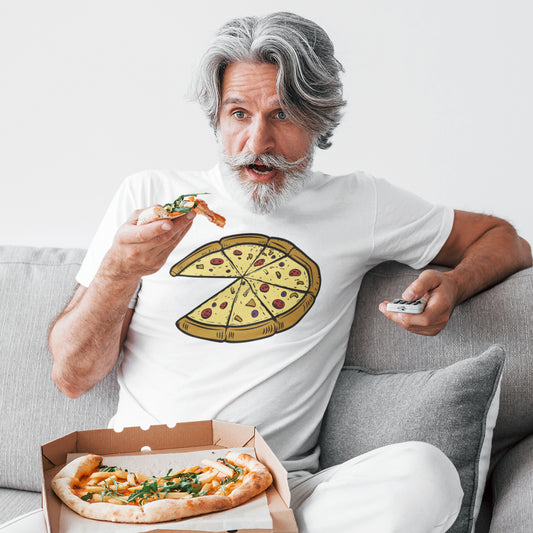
(274, 285)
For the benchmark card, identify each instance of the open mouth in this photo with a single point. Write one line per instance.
(261, 169)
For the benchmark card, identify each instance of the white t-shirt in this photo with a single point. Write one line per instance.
(281, 383)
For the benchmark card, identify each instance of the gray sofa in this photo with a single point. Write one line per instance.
(35, 283)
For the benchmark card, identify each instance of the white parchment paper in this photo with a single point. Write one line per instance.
(251, 515)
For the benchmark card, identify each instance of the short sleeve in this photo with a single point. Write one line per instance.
(123, 203)
(407, 228)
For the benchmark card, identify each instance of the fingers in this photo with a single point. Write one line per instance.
(426, 282)
(157, 232)
(426, 323)
(438, 290)
(142, 250)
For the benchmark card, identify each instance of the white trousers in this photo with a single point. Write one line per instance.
(410, 487)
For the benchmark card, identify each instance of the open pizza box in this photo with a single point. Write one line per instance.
(156, 441)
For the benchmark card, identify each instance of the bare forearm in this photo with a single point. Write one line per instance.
(85, 340)
(497, 254)
(482, 251)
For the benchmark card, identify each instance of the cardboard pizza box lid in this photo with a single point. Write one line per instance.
(187, 436)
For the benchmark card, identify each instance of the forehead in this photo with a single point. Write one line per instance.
(244, 81)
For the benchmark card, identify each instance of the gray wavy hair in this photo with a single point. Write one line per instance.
(308, 82)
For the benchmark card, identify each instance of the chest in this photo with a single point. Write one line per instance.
(260, 274)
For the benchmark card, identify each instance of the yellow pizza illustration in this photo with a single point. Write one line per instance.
(274, 284)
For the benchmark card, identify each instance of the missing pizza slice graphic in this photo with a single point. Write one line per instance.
(275, 284)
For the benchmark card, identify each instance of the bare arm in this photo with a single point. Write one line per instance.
(482, 251)
(85, 340)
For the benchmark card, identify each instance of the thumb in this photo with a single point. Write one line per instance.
(426, 282)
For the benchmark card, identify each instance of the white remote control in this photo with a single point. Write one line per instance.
(401, 306)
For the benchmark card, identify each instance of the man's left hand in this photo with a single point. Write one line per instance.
(440, 292)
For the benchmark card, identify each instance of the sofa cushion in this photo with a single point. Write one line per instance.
(453, 408)
(16, 503)
(35, 285)
(513, 490)
(502, 315)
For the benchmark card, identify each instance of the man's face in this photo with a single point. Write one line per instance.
(265, 154)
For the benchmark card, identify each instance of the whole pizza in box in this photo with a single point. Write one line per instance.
(110, 493)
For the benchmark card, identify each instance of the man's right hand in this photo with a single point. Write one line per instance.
(86, 338)
(141, 250)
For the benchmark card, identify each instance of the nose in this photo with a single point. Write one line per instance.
(260, 136)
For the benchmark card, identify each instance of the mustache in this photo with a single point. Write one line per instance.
(274, 161)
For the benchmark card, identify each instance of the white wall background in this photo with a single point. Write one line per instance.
(90, 91)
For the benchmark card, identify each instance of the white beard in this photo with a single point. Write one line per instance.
(264, 198)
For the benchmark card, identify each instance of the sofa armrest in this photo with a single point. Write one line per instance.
(512, 485)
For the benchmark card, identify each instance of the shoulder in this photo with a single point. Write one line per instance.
(357, 182)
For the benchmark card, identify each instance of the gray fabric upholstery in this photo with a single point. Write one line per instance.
(503, 315)
(447, 407)
(485, 515)
(513, 490)
(35, 285)
(17, 502)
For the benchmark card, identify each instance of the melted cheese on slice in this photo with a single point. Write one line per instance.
(285, 272)
(267, 256)
(214, 265)
(243, 256)
(248, 308)
(277, 300)
(216, 310)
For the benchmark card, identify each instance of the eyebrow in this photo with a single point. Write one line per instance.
(233, 100)
(236, 100)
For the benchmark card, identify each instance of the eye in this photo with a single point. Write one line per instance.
(281, 115)
(239, 114)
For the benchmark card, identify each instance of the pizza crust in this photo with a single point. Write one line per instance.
(243, 238)
(255, 481)
(198, 254)
(198, 329)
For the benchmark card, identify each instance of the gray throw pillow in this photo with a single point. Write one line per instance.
(454, 408)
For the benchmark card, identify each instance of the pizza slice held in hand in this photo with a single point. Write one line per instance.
(181, 206)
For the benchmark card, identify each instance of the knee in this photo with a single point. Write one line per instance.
(428, 463)
(410, 486)
(433, 479)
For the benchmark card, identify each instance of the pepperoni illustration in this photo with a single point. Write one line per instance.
(269, 286)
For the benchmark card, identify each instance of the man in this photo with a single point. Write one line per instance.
(271, 89)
